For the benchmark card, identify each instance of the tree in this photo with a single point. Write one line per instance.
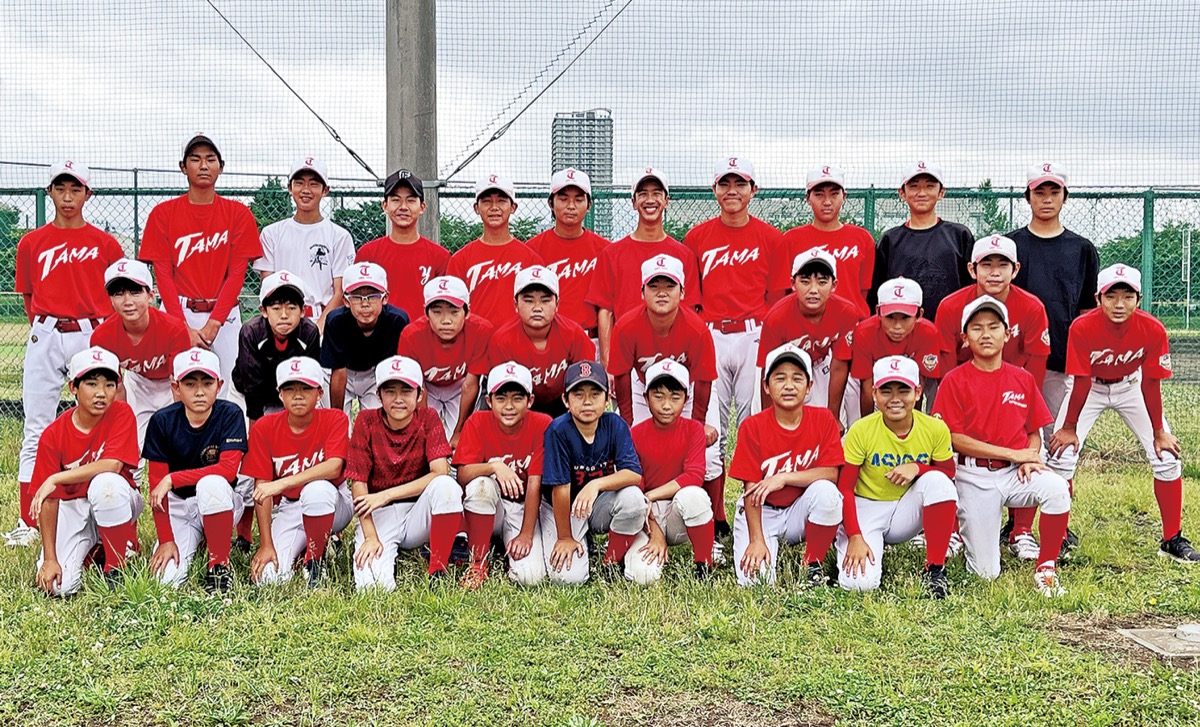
(1170, 291)
(271, 203)
(991, 219)
(364, 222)
(10, 234)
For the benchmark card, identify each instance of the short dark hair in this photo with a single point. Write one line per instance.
(1029, 193)
(535, 287)
(511, 387)
(285, 294)
(118, 286)
(96, 374)
(813, 267)
(668, 383)
(1123, 286)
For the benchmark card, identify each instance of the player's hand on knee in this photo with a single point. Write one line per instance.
(370, 549)
(904, 474)
(1028, 455)
(366, 504)
(755, 557)
(655, 551)
(49, 576)
(1164, 441)
(710, 435)
(165, 553)
(858, 554)
(582, 507)
(264, 556)
(564, 551)
(264, 491)
(1027, 470)
(509, 483)
(159, 493)
(756, 494)
(519, 547)
(1060, 441)
(39, 499)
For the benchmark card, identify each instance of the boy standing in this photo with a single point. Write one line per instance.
(309, 245)
(897, 329)
(399, 472)
(296, 458)
(787, 457)
(590, 479)
(60, 273)
(995, 414)
(491, 263)
(82, 487)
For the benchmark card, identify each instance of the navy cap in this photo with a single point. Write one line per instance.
(582, 372)
(406, 178)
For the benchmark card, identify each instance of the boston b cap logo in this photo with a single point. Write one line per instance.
(585, 368)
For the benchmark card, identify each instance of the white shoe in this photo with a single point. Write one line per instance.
(1024, 546)
(956, 545)
(718, 553)
(1046, 580)
(918, 541)
(22, 536)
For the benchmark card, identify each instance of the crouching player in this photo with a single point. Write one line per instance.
(499, 462)
(590, 479)
(399, 471)
(787, 456)
(898, 479)
(1105, 350)
(995, 414)
(296, 458)
(83, 491)
(671, 449)
(195, 447)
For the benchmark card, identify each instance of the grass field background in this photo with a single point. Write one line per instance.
(677, 653)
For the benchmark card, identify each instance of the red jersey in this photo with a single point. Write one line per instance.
(670, 453)
(1029, 329)
(276, 451)
(871, 343)
(617, 287)
(64, 447)
(152, 356)
(740, 267)
(488, 271)
(195, 245)
(63, 270)
(447, 363)
(834, 332)
(852, 247)
(1098, 347)
(574, 262)
(765, 448)
(566, 344)
(483, 440)
(636, 347)
(384, 458)
(1001, 407)
(408, 266)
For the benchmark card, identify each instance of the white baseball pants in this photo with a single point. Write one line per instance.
(213, 496)
(821, 502)
(319, 497)
(689, 508)
(483, 497)
(47, 354)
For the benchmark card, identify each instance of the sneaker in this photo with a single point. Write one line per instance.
(22, 536)
(219, 580)
(702, 571)
(721, 529)
(460, 553)
(1046, 580)
(242, 545)
(937, 585)
(718, 553)
(1006, 531)
(918, 541)
(113, 578)
(474, 577)
(814, 577)
(316, 572)
(1024, 546)
(1069, 544)
(956, 545)
(1179, 549)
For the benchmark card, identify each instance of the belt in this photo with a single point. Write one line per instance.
(987, 464)
(735, 325)
(1108, 382)
(68, 325)
(593, 332)
(200, 305)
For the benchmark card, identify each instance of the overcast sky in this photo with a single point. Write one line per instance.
(1109, 89)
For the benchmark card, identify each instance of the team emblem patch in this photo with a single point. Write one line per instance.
(210, 455)
(1165, 361)
(930, 362)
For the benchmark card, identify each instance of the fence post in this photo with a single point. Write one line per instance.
(869, 210)
(137, 233)
(39, 209)
(1148, 250)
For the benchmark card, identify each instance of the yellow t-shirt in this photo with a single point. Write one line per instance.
(877, 450)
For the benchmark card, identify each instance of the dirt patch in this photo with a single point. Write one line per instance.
(1100, 634)
(695, 710)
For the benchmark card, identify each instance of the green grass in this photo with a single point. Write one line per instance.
(612, 653)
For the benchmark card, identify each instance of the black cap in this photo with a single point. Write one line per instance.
(407, 178)
(582, 372)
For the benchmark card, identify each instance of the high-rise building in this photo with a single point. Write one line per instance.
(584, 140)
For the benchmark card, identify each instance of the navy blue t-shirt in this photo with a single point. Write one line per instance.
(170, 438)
(569, 459)
(345, 347)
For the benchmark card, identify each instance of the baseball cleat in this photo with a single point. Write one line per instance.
(22, 536)
(315, 569)
(460, 553)
(1024, 546)
(814, 577)
(474, 577)
(937, 585)
(721, 529)
(1046, 580)
(1070, 543)
(918, 541)
(718, 554)
(1006, 531)
(113, 578)
(1179, 549)
(219, 580)
(242, 545)
(956, 545)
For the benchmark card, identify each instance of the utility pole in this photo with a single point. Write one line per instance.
(412, 98)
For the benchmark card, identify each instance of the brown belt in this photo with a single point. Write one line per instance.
(1108, 382)
(734, 325)
(68, 325)
(988, 464)
(200, 305)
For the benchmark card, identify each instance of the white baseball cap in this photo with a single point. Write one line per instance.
(740, 166)
(896, 368)
(1046, 172)
(197, 138)
(899, 295)
(399, 368)
(90, 359)
(311, 164)
(195, 359)
(825, 174)
(448, 288)
(994, 245)
(128, 269)
(362, 275)
(498, 182)
(665, 266)
(281, 279)
(1120, 273)
(302, 369)
(984, 302)
(668, 368)
(535, 275)
(917, 168)
(509, 372)
(651, 173)
(789, 352)
(571, 177)
(818, 255)
(78, 170)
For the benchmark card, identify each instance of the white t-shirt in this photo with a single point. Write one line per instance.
(317, 253)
